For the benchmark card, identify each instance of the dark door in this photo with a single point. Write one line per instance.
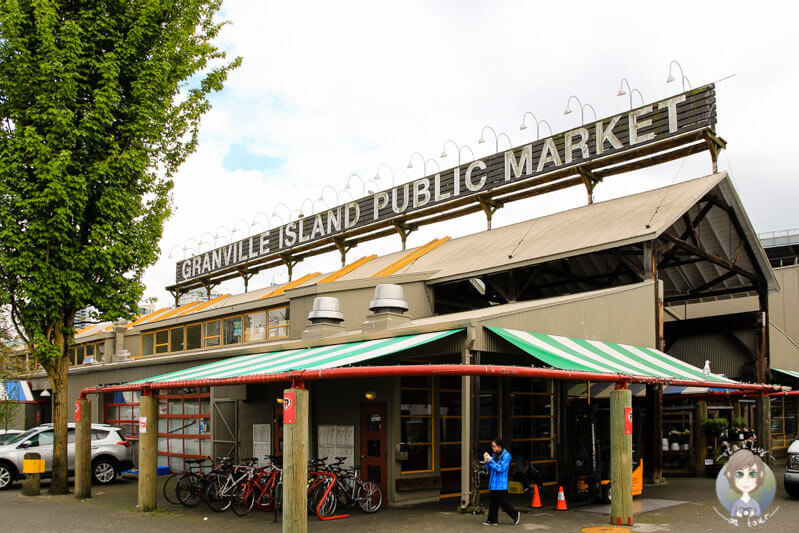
(373, 443)
(277, 441)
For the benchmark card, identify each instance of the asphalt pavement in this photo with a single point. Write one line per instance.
(113, 509)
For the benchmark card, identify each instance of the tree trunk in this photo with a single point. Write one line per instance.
(58, 372)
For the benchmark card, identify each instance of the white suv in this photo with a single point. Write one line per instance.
(792, 470)
(111, 453)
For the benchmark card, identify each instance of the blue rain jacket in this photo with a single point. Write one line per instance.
(498, 472)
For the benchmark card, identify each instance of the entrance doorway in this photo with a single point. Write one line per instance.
(373, 443)
(225, 428)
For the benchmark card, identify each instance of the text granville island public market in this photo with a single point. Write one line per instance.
(579, 145)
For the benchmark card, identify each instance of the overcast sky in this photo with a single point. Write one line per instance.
(328, 89)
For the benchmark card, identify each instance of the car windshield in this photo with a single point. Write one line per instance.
(23, 436)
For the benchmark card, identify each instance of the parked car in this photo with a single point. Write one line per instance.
(792, 470)
(7, 435)
(110, 453)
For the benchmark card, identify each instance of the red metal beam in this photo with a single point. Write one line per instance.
(427, 370)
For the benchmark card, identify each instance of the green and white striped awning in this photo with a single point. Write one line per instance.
(792, 373)
(320, 357)
(567, 353)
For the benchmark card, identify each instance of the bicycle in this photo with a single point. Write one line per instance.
(224, 487)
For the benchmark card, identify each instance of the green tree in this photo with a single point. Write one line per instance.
(100, 102)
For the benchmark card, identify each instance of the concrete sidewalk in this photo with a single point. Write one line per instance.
(113, 509)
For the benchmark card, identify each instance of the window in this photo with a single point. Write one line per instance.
(232, 330)
(255, 327)
(449, 412)
(211, 333)
(278, 322)
(183, 423)
(122, 410)
(194, 336)
(162, 341)
(183, 426)
(176, 340)
(532, 421)
(45, 438)
(416, 423)
(79, 354)
(783, 422)
(148, 343)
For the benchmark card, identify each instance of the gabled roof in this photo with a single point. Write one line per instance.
(602, 225)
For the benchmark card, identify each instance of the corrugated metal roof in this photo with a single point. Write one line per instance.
(581, 230)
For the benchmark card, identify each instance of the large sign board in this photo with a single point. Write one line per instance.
(614, 135)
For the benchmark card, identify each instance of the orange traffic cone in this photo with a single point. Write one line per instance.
(536, 503)
(561, 500)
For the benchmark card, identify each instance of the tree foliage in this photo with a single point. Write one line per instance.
(100, 102)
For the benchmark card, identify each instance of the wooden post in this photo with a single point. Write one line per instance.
(148, 451)
(621, 457)
(762, 364)
(295, 460)
(763, 425)
(83, 450)
(653, 463)
(466, 439)
(700, 440)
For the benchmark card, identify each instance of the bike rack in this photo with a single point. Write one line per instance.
(324, 497)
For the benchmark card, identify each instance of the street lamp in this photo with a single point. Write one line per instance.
(537, 124)
(377, 173)
(201, 241)
(496, 137)
(302, 206)
(629, 91)
(363, 183)
(424, 162)
(322, 194)
(671, 77)
(217, 234)
(235, 228)
(458, 147)
(179, 247)
(186, 246)
(254, 221)
(288, 210)
(582, 109)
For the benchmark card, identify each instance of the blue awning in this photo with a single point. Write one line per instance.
(16, 391)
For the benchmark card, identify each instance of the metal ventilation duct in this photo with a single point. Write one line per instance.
(389, 298)
(326, 310)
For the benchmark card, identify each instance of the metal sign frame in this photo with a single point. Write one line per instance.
(663, 131)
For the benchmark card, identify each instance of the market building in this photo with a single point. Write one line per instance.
(609, 288)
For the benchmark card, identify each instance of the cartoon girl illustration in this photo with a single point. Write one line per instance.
(745, 474)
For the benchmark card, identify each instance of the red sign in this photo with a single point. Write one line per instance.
(142, 424)
(77, 411)
(288, 407)
(628, 420)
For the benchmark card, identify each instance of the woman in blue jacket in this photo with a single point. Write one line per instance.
(497, 466)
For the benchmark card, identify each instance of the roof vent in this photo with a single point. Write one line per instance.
(389, 298)
(326, 310)
(326, 318)
(388, 308)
